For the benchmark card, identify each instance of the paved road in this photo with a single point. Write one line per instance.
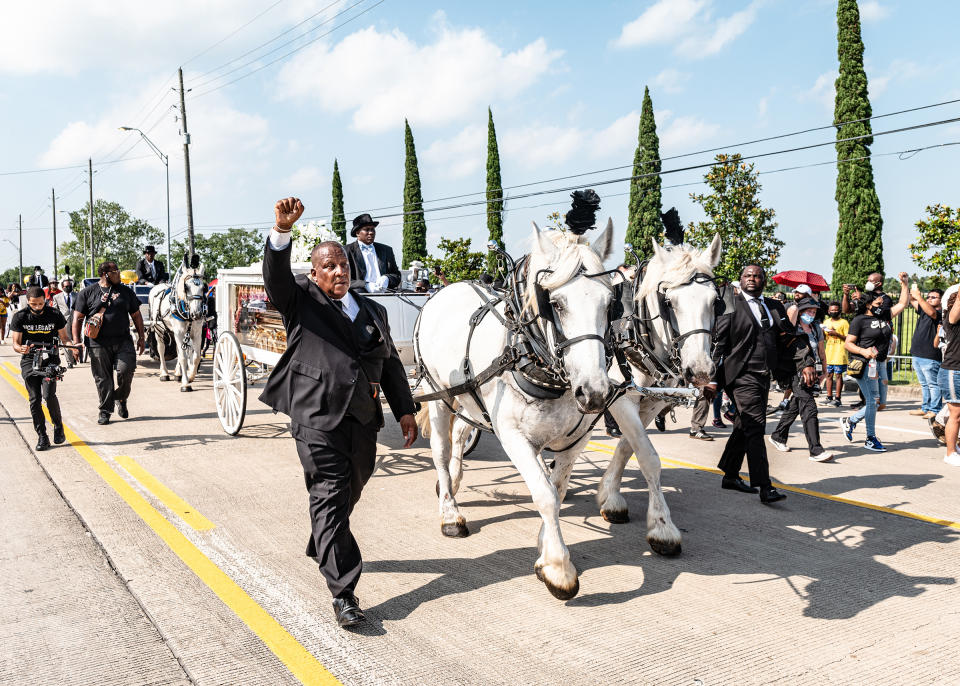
(207, 533)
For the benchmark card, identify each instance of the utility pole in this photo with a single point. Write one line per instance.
(93, 271)
(21, 251)
(53, 201)
(186, 162)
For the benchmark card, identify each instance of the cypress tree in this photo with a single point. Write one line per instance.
(859, 249)
(494, 191)
(414, 225)
(643, 218)
(337, 221)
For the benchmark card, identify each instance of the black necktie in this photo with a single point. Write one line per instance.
(764, 320)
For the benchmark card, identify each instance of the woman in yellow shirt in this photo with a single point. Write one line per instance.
(835, 327)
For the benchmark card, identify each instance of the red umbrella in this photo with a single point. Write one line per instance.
(212, 283)
(795, 277)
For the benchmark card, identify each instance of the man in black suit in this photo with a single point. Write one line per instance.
(752, 341)
(373, 268)
(150, 270)
(339, 355)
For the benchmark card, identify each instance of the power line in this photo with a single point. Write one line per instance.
(231, 34)
(295, 50)
(73, 166)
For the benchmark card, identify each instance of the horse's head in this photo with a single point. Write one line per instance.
(678, 285)
(191, 289)
(559, 280)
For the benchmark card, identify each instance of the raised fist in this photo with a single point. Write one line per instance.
(846, 289)
(287, 211)
(904, 277)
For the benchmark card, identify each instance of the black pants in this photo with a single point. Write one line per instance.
(801, 403)
(103, 359)
(38, 388)
(749, 391)
(336, 466)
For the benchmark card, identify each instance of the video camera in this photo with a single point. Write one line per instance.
(46, 363)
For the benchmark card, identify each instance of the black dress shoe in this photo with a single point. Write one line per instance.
(660, 422)
(769, 494)
(58, 435)
(347, 611)
(122, 409)
(43, 443)
(104, 418)
(735, 483)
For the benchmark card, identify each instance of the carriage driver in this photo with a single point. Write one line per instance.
(33, 326)
(339, 355)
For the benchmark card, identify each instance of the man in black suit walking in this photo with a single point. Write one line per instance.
(752, 341)
(373, 268)
(339, 355)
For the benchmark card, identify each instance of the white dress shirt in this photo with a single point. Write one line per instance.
(375, 281)
(755, 305)
(278, 240)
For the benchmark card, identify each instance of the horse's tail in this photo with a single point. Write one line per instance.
(423, 420)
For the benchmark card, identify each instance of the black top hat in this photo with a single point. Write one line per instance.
(360, 221)
(150, 249)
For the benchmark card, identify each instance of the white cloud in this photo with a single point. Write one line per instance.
(383, 77)
(683, 133)
(823, 90)
(899, 70)
(461, 155)
(670, 80)
(871, 10)
(688, 24)
(662, 22)
(618, 139)
(533, 146)
(305, 181)
(762, 106)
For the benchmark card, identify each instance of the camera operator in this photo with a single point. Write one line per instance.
(34, 328)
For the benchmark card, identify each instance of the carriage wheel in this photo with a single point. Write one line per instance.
(229, 383)
(472, 439)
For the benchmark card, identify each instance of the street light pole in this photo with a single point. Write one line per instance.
(166, 163)
(53, 201)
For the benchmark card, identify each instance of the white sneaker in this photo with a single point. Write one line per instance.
(953, 458)
(782, 447)
(825, 456)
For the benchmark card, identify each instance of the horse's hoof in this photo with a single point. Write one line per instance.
(665, 548)
(539, 572)
(455, 530)
(563, 593)
(185, 389)
(164, 378)
(615, 516)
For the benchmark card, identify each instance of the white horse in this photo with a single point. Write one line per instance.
(179, 309)
(561, 264)
(675, 273)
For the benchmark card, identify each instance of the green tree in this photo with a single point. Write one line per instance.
(494, 192)
(414, 225)
(747, 229)
(235, 247)
(643, 218)
(937, 247)
(338, 222)
(458, 262)
(10, 276)
(859, 248)
(116, 236)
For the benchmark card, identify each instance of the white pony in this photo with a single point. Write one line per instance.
(675, 274)
(561, 264)
(178, 309)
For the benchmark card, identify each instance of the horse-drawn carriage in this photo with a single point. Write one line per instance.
(252, 337)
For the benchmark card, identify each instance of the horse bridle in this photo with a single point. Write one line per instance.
(181, 306)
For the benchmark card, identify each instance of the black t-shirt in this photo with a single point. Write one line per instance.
(871, 332)
(951, 356)
(116, 323)
(922, 344)
(38, 328)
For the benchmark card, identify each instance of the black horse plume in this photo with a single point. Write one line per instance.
(583, 211)
(672, 226)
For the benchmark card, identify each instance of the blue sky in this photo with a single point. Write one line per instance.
(564, 79)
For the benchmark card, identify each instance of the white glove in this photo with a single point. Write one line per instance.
(382, 282)
(373, 286)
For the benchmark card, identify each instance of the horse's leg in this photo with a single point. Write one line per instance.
(197, 353)
(662, 535)
(563, 466)
(162, 351)
(452, 523)
(460, 432)
(553, 567)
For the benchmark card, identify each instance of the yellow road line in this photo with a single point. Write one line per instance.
(184, 510)
(288, 650)
(804, 491)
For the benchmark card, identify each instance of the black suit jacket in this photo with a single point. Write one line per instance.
(358, 267)
(143, 272)
(317, 375)
(736, 337)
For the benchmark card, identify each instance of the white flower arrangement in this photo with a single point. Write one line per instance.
(305, 236)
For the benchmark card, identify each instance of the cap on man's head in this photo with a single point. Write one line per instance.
(360, 221)
(150, 249)
(808, 303)
(803, 288)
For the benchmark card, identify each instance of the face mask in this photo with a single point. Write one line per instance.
(870, 286)
(834, 315)
(807, 318)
